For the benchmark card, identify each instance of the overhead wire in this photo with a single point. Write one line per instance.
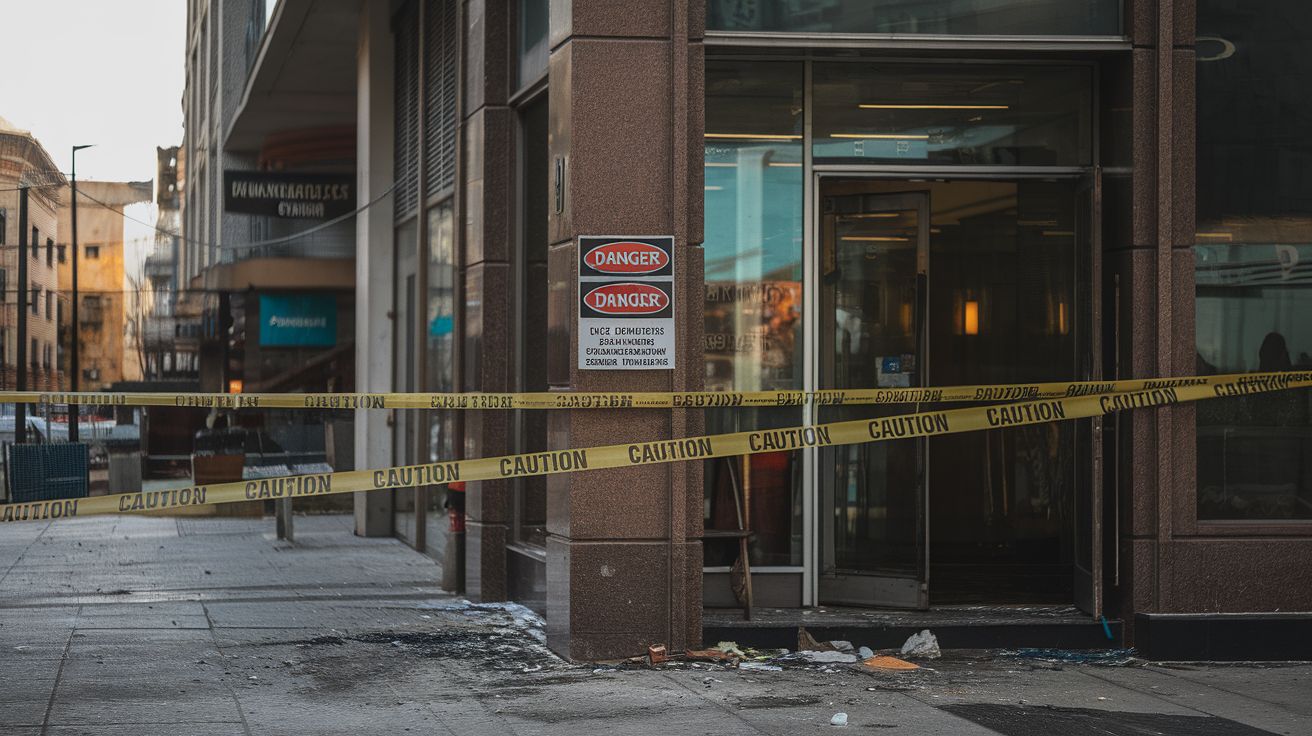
(257, 244)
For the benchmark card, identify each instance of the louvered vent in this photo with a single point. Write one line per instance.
(441, 52)
(406, 33)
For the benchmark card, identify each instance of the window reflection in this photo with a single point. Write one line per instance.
(1254, 452)
(440, 331)
(957, 17)
(753, 299)
(1252, 273)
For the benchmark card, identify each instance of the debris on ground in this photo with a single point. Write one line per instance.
(924, 644)
(839, 719)
(730, 647)
(707, 655)
(865, 653)
(888, 663)
(1106, 657)
(656, 654)
(828, 657)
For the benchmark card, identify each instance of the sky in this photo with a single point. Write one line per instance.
(104, 72)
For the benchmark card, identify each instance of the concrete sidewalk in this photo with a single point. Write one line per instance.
(147, 625)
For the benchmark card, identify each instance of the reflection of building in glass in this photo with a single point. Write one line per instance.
(1253, 264)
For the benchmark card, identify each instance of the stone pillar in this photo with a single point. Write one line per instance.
(373, 260)
(626, 116)
(1157, 446)
(489, 238)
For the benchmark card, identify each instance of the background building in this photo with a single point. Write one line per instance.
(936, 193)
(110, 297)
(171, 329)
(23, 162)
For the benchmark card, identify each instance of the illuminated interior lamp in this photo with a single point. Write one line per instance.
(972, 318)
(234, 386)
(1061, 318)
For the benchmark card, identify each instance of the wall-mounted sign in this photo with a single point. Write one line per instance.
(298, 320)
(626, 303)
(282, 194)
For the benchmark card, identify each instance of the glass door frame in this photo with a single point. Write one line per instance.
(864, 587)
(788, 48)
(812, 222)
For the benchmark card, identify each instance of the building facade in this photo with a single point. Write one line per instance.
(110, 305)
(917, 194)
(25, 163)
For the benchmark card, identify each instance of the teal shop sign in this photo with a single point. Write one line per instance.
(298, 320)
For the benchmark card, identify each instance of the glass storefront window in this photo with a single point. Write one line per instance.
(440, 331)
(939, 17)
(753, 226)
(439, 342)
(1254, 452)
(753, 301)
(951, 114)
(534, 22)
(1253, 261)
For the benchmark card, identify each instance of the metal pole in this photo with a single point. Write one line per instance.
(74, 366)
(20, 410)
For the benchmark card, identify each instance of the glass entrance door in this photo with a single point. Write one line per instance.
(873, 293)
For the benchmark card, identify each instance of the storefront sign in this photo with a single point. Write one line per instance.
(294, 320)
(278, 194)
(626, 303)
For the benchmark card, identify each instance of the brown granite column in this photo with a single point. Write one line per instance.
(626, 98)
(1157, 446)
(488, 179)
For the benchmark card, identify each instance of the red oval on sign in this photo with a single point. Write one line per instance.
(626, 258)
(627, 299)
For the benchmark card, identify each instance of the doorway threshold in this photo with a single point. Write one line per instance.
(957, 627)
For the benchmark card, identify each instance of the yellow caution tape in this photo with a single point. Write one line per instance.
(668, 400)
(920, 424)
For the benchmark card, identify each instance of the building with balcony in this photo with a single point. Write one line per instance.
(25, 163)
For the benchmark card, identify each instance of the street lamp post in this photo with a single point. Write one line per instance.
(74, 371)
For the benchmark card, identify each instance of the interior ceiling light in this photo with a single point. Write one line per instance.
(868, 136)
(880, 238)
(934, 107)
(874, 214)
(754, 136)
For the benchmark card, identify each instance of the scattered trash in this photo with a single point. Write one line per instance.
(839, 719)
(865, 653)
(842, 646)
(1106, 657)
(713, 655)
(924, 644)
(1102, 698)
(759, 666)
(888, 663)
(656, 654)
(1107, 629)
(826, 657)
(730, 647)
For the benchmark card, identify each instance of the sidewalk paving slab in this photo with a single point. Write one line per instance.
(152, 625)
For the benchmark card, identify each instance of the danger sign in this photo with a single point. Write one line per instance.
(626, 303)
